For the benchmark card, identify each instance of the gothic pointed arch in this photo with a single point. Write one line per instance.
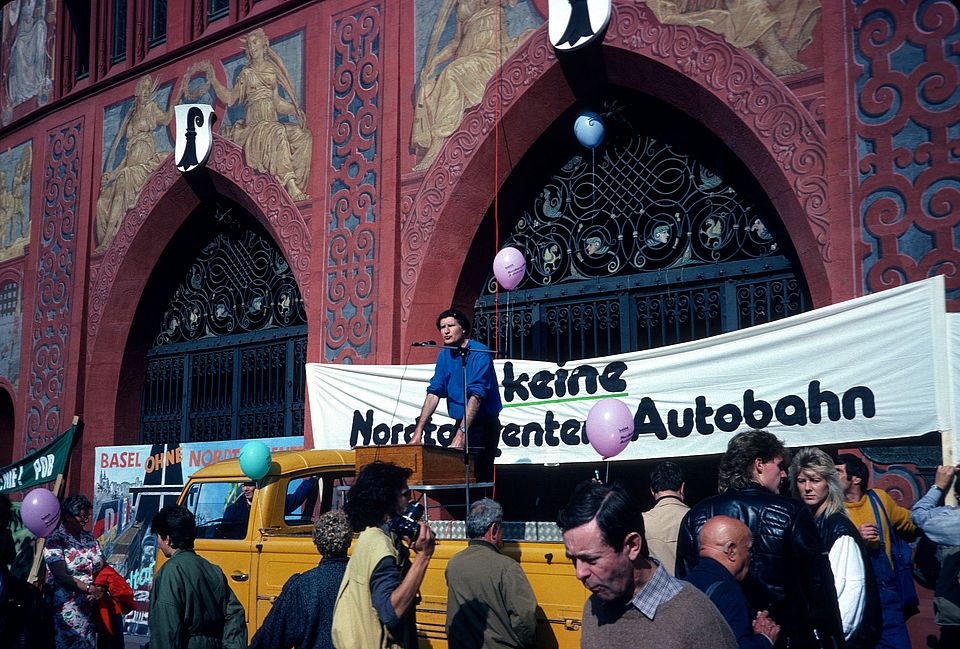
(692, 70)
(118, 284)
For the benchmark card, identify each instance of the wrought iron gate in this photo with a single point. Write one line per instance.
(228, 359)
(638, 245)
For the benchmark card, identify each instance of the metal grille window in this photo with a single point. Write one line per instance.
(228, 360)
(9, 295)
(637, 246)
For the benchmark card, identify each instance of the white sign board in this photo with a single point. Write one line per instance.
(876, 367)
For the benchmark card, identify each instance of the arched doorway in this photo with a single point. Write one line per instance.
(225, 334)
(658, 236)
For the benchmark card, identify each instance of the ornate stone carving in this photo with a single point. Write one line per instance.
(352, 231)
(53, 298)
(906, 145)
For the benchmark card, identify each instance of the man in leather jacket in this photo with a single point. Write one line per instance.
(789, 570)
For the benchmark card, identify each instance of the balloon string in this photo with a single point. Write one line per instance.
(496, 178)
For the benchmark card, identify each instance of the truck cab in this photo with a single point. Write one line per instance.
(260, 548)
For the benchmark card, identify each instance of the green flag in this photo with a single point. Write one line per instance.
(43, 465)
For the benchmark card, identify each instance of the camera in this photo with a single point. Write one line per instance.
(406, 524)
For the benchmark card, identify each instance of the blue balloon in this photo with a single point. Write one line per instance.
(589, 130)
(255, 459)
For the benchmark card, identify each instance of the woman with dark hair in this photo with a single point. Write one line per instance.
(815, 481)
(73, 558)
(376, 602)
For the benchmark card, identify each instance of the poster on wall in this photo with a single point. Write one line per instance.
(131, 484)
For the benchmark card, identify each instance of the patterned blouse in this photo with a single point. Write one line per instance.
(74, 612)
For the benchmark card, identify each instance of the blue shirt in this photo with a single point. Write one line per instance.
(447, 382)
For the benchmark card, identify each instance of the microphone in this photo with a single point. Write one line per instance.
(424, 343)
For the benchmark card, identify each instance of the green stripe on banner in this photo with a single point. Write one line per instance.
(592, 397)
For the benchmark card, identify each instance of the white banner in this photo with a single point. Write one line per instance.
(876, 367)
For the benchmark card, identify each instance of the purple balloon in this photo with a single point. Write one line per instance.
(509, 267)
(609, 427)
(40, 512)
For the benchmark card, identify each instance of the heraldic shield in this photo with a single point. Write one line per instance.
(194, 135)
(574, 23)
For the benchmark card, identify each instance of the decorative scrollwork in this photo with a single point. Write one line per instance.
(236, 285)
(642, 207)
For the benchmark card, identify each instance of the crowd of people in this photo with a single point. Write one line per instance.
(747, 568)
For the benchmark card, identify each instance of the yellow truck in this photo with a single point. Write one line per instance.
(260, 554)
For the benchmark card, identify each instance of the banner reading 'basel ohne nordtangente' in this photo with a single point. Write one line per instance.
(876, 367)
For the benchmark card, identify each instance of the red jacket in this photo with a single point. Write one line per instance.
(117, 601)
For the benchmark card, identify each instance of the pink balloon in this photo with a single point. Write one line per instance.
(509, 267)
(40, 512)
(609, 427)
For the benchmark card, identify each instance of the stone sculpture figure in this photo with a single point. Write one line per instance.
(282, 149)
(28, 66)
(453, 79)
(121, 186)
(775, 31)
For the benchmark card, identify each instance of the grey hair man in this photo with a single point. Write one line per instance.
(489, 601)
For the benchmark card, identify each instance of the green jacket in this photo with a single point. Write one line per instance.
(192, 606)
(490, 603)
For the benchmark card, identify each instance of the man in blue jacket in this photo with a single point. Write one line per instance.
(483, 406)
(724, 561)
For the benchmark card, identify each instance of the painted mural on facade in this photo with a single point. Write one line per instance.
(11, 319)
(131, 484)
(135, 141)
(29, 40)
(264, 111)
(15, 166)
(459, 47)
(774, 31)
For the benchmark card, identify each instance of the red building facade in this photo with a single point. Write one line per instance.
(371, 147)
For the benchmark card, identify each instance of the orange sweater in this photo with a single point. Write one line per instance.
(862, 512)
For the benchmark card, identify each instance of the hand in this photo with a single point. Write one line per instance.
(95, 593)
(458, 440)
(426, 541)
(765, 626)
(869, 532)
(417, 437)
(944, 476)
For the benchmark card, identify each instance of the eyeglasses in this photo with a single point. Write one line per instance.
(84, 516)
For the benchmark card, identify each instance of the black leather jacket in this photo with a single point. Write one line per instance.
(790, 573)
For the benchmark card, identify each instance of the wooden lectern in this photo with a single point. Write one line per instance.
(431, 465)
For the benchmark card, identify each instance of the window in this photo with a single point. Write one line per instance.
(79, 47)
(118, 31)
(218, 9)
(307, 497)
(220, 510)
(9, 296)
(158, 23)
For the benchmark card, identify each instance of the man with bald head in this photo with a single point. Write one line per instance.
(725, 560)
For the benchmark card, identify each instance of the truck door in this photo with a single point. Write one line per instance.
(286, 547)
(224, 534)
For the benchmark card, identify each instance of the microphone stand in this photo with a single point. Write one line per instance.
(464, 352)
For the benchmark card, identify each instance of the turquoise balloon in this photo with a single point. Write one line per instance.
(255, 460)
(589, 130)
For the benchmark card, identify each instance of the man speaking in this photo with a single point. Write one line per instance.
(481, 416)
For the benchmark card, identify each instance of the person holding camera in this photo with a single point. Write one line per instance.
(376, 603)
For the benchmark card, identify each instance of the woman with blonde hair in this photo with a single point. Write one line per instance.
(815, 481)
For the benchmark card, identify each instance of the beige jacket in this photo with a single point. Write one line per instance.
(661, 525)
